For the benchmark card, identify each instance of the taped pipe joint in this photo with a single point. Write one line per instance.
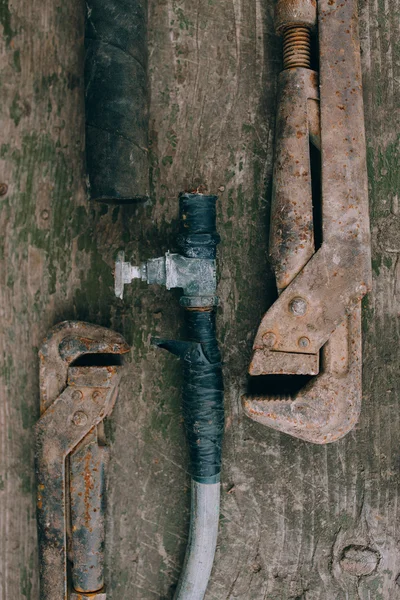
(202, 396)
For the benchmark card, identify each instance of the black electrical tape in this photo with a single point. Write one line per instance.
(198, 235)
(203, 399)
(116, 100)
(203, 394)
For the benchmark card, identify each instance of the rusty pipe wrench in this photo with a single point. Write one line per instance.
(314, 327)
(71, 458)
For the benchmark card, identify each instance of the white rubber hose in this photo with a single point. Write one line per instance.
(202, 541)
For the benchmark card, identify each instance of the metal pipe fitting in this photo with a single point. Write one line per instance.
(196, 276)
(195, 269)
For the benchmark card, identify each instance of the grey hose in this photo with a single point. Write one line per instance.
(202, 394)
(202, 541)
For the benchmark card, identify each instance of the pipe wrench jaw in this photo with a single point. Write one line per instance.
(71, 458)
(328, 407)
(64, 344)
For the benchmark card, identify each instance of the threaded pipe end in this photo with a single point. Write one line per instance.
(296, 47)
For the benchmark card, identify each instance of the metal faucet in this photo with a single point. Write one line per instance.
(196, 276)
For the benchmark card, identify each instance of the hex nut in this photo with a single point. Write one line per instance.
(295, 12)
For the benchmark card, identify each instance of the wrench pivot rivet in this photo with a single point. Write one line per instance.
(304, 342)
(96, 395)
(298, 307)
(77, 395)
(80, 418)
(269, 339)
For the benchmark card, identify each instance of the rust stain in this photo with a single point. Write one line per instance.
(88, 478)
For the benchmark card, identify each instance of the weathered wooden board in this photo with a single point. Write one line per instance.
(288, 509)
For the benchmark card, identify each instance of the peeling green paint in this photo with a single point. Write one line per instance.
(17, 61)
(387, 261)
(383, 176)
(25, 582)
(376, 263)
(16, 109)
(172, 138)
(167, 160)
(4, 150)
(27, 483)
(28, 416)
(184, 22)
(5, 20)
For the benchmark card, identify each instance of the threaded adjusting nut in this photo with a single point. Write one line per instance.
(295, 12)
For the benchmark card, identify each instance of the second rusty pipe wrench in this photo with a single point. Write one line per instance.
(71, 459)
(319, 306)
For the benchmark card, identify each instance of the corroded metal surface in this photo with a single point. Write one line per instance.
(319, 306)
(71, 413)
(88, 463)
(328, 407)
(292, 232)
(295, 13)
(196, 276)
(64, 344)
(83, 596)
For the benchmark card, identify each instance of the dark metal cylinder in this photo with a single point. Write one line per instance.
(116, 100)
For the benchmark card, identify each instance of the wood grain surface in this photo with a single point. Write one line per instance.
(298, 522)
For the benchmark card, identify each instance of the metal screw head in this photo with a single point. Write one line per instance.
(77, 395)
(45, 214)
(298, 307)
(80, 418)
(269, 339)
(96, 395)
(363, 289)
(3, 189)
(304, 342)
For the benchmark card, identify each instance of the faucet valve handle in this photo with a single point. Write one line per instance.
(125, 273)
